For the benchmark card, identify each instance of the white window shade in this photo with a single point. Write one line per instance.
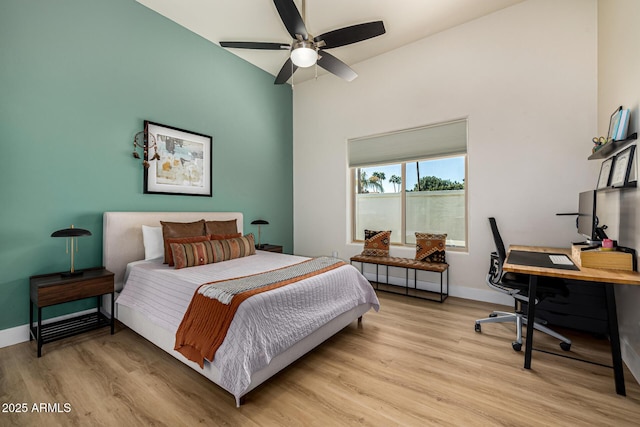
(443, 139)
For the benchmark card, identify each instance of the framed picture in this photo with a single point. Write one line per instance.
(622, 167)
(605, 174)
(613, 123)
(185, 162)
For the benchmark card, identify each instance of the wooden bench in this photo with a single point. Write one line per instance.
(407, 264)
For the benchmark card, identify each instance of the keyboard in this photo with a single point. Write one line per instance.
(560, 260)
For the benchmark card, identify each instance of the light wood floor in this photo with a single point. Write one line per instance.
(413, 363)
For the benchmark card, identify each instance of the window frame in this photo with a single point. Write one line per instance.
(353, 172)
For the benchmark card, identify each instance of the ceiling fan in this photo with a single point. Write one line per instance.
(307, 51)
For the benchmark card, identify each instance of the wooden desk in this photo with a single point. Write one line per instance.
(607, 277)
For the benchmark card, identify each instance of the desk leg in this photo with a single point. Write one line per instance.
(531, 315)
(614, 338)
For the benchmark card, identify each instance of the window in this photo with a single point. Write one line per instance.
(411, 181)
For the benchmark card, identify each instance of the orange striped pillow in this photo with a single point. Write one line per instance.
(181, 240)
(210, 251)
(237, 247)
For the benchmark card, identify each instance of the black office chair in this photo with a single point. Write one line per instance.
(517, 286)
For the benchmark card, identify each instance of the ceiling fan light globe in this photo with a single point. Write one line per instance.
(304, 57)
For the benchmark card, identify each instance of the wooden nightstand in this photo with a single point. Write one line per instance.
(52, 289)
(270, 248)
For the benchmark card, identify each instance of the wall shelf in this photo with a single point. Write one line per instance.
(613, 146)
(633, 184)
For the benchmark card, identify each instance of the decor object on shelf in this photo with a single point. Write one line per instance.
(622, 167)
(307, 50)
(147, 142)
(622, 125)
(72, 235)
(259, 222)
(184, 162)
(605, 174)
(612, 123)
(599, 142)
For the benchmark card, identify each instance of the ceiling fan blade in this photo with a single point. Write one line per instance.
(291, 18)
(256, 45)
(335, 66)
(286, 72)
(352, 34)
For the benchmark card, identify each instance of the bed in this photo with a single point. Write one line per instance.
(154, 314)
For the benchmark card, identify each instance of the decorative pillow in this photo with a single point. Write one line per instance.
(376, 243)
(179, 229)
(431, 247)
(224, 236)
(237, 247)
(194, 239)
(210, 251)
(192, 254)
(221, 227)
(153, 243)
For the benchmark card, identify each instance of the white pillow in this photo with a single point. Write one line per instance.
(153, 242)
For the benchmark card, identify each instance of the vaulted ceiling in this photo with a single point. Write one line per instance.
(257, 20)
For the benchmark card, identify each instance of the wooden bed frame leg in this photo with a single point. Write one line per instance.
(360, 322)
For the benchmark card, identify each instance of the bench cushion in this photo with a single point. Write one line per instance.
(402, 262)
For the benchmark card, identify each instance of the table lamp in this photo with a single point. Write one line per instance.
(259, 222)
(72, 234)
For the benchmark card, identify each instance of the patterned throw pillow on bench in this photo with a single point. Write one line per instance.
(431, 247)
(376, 243)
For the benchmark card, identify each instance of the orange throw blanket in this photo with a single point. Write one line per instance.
(206, 321)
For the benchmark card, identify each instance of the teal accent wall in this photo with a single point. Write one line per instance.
(77, 80)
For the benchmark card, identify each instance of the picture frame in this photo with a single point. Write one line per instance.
(613, 123)
(605, 174)
(185, 164)
(622, 167)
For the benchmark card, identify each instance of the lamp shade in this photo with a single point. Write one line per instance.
(71, 232)
(259, 222)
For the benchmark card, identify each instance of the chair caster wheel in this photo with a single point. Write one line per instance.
(565, 346)
(478, 328)
(516, 346)
(493, 315)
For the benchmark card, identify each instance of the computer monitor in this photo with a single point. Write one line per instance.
(588, 220)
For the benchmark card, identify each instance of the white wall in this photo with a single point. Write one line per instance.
(619, 84)
(526, 79)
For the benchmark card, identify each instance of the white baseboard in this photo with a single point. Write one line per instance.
(20, 333)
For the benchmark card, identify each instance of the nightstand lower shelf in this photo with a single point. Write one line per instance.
(70, 327)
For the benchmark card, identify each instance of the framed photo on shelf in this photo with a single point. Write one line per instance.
(605, 174)
(622, 167)
(613, 123)
(185, 164)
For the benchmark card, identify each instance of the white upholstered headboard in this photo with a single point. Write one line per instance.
(122, 234)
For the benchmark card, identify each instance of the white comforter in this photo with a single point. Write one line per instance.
(264, 325)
